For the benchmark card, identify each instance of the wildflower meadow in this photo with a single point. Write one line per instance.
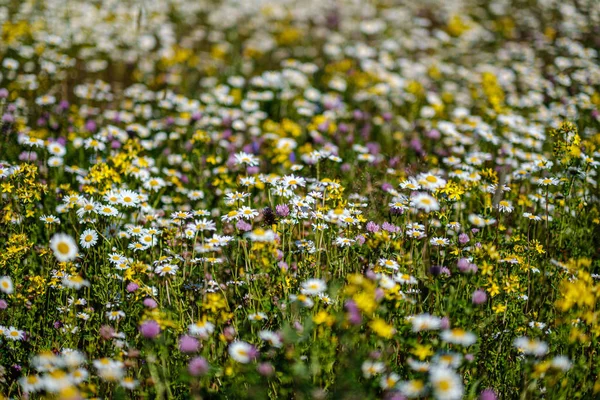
(299, 199)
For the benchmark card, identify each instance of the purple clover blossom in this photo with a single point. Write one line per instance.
(463, 265)
(150, 303)
(488, 394)
(198, 366)
(150, 329)
(386, 187)
(28, 156)
(323, 127)
(8, 118)
(282, 210)
(391, 228)
(463, 238)
(63, 105)
(229, 333)
(360, 239)
(433, 134)
(188, 344)
(317, 137)
(479, 297)
(374, 148)
(265, 369)
(283, 266)
(132, 287)
(107, 332)
(90, 125)
(243, 226)
(354, 316)
(372, 227)
(371, 275)
(416, 145)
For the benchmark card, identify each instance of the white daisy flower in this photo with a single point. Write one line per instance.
(64, 247)
(458, 336)
(15, 334)
(241, 352)
(425, 202)
(313, 287)
(446, 384)
(202, 328)
(6, 285)
(370, 368)
(88, 238)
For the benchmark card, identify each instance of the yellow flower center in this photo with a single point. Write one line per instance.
(63, 248)
(444, 385)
